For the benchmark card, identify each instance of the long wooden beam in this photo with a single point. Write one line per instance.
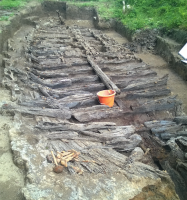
(105, 79)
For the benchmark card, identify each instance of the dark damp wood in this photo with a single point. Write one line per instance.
(65, 32)
(61, 135)
(52, 83)
(132, 74)
(108, 83)
(68, 126)
(114, 61)
(60, 93)
(57, 113)
(88, 34)
(44, 91)
(181, 120)
(128, 66)
(48, 47)
(167, 136)
(118, 55)
(145, 93)
(43, 103)
(66, 71)
(34, 103)
(141, 83)
(68, 102)
(49, 74)
(169, 103)
(33, 58)
(108, 135)
(147, 83)
(123, 144)
(92, 113)
(55, 41)
(182, 141)
(77, 100)
(51, 36)
(86, 79)
(45, 53)
(155, 123)
(169, 129)
(52, 66)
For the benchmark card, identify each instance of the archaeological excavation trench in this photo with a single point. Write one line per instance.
(136, 149)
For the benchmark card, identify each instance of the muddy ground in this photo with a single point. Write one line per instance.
(11, 177)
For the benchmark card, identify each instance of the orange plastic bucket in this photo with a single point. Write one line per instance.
(106, 97)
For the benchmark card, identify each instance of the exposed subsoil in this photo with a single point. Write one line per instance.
(11, 177)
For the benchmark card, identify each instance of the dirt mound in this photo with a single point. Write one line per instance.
(144, 40)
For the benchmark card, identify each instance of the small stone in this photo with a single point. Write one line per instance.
(49, 158)
(137, 154)
(58, 169)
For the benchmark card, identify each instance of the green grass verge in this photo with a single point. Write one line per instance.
(142, 14)
(9, 4)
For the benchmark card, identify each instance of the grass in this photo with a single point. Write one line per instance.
(142, 14)
(9, 4)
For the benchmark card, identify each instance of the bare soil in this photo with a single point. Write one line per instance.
(11, 177)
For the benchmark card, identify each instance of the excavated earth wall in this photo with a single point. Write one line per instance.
(53, 69)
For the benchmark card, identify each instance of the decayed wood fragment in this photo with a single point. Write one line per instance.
(57, 113)
(181, 120)
(168, 103)
(67, 126)
(92, 113)
(147, 83)
(53, 83)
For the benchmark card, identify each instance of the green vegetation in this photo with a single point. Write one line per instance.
(9, 4)
(4, 18)
(142, 14)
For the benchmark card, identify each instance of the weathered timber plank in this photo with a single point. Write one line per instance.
(91, 114)
(60, 93)
(61, 135)
(156, 123)
(151, 93)
(181, 120)
(169, 129)
(47, 36)
(138, 85)
(82, 79)
(132, 74)
(157, 105)
(125, 67)
(57, 113)
(167, 136)
(123, 144)
(53, 83)
(109, 84)
(68, 126)
(49, 74)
